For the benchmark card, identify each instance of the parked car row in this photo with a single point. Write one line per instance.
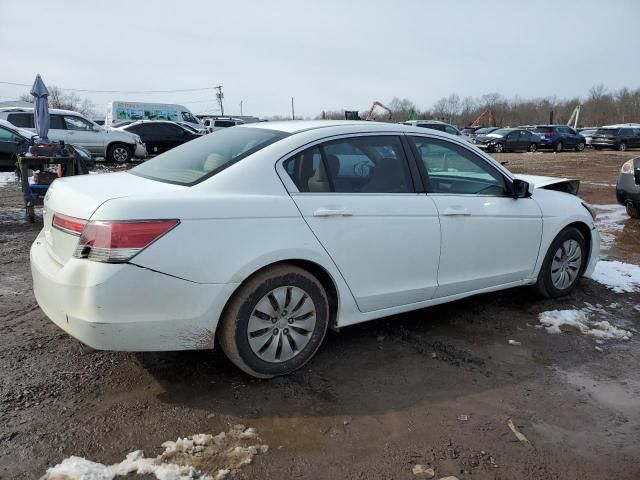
(115, 145)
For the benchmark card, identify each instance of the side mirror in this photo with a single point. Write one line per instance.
(636, 169)
(521, 189)
(96, 128)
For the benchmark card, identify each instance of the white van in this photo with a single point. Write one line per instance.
(132, 111)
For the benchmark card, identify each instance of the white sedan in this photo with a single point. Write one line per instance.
(263, 236)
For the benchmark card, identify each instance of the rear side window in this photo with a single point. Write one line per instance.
(607, 131)
(56, 122)
(368, 164)
(224, 123)
(24, 120)
(543, 129)
(202, 158)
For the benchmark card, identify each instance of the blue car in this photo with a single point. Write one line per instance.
(559, 137)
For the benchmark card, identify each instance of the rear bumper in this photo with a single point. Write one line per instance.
(627, 191)
(125, 307)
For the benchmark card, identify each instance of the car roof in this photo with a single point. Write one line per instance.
(30, 110)
(297, 126)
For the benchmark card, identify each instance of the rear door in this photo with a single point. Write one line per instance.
(488, 237)
(358, 196)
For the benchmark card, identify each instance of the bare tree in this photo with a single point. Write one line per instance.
(66, 101)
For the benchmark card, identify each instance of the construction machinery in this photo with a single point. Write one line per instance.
(369, 115)
(478, 122)
(573, 120)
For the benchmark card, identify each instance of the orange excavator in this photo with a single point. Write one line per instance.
(375, 104)
(487, 112)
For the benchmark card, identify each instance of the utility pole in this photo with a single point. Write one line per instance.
(219, 97)
(293, 111)
(240, 107)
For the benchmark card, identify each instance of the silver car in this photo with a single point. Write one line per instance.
(72, 127)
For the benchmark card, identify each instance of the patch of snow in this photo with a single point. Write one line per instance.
(513, 342)
(7, 177)
(184, 459)
(610, 221)
(618, 276)
(557, 321)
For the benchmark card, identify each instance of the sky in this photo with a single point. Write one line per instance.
(326, 54)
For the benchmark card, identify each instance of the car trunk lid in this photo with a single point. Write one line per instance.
(75, 199)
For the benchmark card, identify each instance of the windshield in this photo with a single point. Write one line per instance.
(202, 158)
(501, 131)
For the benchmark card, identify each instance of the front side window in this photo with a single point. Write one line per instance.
(77, 123)
(187, 117)
(368, 164)
(195, 161)
(455, 170)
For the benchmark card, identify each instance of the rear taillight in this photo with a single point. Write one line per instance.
(67, 224)
(551, 134)
(627, 167)
(119, 241)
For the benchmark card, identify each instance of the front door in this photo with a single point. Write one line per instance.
(9, 147)
(488, 237)
(357, 195)
(82, 132)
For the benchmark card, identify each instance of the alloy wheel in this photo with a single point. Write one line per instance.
(120, 154)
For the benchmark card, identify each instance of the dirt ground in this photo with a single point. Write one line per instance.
(436, 387)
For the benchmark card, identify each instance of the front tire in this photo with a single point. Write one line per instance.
(633, 210)
(275, 322)
(622, 147)
(580, 147)
(558, 147)
(119, 153)
(563, 265)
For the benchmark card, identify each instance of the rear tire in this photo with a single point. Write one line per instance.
(533, 147)
(563, 264)
(119, 153)
(633, 210)
(558, 147)
(260, 336)
(622, 147)
(580, 147)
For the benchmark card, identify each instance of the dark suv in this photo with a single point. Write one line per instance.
(559, 137)
(619, 138)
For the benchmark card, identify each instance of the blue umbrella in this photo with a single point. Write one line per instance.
(41, 111)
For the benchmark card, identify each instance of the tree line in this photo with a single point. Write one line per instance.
(601, 107)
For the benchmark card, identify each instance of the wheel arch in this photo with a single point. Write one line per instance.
(318, 271)
(585, 230)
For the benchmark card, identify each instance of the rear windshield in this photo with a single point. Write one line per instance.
(202, 158)
(543, 129)
(607, 131)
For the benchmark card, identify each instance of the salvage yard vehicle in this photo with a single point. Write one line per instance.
(160, 136)
(435, 125)
(260, 237)
(13, 141)
(74, 128)
(628, 187)
(618, 138)
(123, 111)
(560, 137)
(508, 139)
